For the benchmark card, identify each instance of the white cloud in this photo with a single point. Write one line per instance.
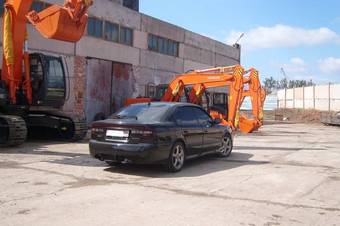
(283, 36)
(297, 61)
(295, 66)
(330, 65)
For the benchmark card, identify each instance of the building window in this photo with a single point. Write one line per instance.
(2, 7)
(132, 4)
(95, 27)
(126, 36)
(163, 45)
(153, 42)
(111, 32)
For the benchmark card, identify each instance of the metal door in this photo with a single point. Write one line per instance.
(98, 89)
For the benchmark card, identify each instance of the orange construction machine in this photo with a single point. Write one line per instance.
(254, 91)
(32, 85)
(234, 78)
(201, 80)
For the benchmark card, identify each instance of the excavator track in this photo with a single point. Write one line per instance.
(55, 125)
(13, 131)
(80, 130)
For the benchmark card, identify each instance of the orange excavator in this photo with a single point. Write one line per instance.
(199, 82)
(231, 77)
(33, 85)
(255, 92)
(229, 110)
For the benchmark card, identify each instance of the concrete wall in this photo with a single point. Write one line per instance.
(322, 97)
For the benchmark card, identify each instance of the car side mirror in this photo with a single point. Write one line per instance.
(217, 121)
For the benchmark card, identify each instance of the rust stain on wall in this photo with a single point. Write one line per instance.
(98, 89)
(123, 84)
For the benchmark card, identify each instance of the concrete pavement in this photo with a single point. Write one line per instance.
(286, 174)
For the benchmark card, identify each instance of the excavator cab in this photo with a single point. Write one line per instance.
(160, 90)
(48, 80)
(220, 103)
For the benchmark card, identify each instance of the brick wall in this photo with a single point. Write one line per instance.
(79, 85)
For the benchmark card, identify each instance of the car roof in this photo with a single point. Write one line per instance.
(169, 104)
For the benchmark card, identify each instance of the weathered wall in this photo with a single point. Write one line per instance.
(98, 88)
(123, 84)
(322, 97)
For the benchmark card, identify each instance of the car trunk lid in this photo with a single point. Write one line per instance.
(123, 131)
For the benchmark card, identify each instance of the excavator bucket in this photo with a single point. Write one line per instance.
(55, 22)
(247, 125)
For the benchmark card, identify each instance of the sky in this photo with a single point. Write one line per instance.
(302, 37)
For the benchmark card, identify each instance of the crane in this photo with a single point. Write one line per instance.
(32, 85)
(285, 77)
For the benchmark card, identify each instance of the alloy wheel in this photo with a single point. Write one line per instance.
(178, 157)
(227, 146)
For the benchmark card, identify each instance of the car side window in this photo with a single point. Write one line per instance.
(203, 118)
(185, 116)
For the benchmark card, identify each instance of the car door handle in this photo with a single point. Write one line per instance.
(185, 132)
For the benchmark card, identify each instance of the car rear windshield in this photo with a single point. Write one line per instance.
(143, 112)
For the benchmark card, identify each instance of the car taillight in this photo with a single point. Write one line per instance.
(97, 130)
(142, 133)
(97, 133)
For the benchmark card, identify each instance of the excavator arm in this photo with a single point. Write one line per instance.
(257, 96)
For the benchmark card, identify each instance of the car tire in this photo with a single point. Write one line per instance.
(176, 159)
(227, 146)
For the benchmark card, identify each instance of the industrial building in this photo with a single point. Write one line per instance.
(122, 52)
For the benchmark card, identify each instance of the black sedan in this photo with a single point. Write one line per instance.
(166, 133)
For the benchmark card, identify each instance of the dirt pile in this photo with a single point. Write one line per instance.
(298, 115)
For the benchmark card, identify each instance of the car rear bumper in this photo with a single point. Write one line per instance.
(136, 153)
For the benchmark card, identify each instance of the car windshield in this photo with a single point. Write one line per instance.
(143, 112)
